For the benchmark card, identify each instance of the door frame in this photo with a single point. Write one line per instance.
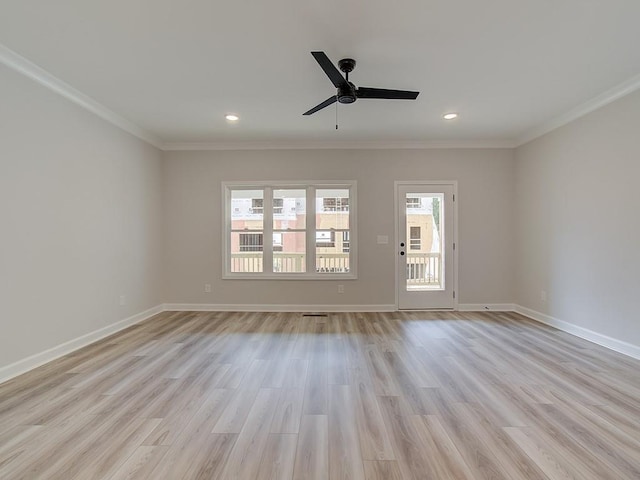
(454, 184)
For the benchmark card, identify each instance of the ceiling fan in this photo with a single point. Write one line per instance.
(347, 91)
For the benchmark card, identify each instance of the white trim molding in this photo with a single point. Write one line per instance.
(486, 307)
(342, 145)
(34, 361)
(594, 337)
(397, 184)
(218, 307)
(29, 69)
(605, 98)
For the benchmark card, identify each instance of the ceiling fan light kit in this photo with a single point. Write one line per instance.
(347, 92)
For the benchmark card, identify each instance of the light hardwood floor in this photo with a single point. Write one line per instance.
(377, 396)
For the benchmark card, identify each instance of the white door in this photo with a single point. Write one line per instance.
(425, 245)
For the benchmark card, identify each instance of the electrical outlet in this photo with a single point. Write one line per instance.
(207, 288)
(340, 288)
(543, 296)
(123, 300)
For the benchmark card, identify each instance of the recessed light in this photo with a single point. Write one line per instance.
(231, 117)
(450, 116)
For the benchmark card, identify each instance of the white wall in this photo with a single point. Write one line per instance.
(81, 213)
(578, 222)
(193, 221)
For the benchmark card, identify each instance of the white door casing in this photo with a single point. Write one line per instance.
(426, 254)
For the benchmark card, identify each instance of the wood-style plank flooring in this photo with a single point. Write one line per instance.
(376, 396)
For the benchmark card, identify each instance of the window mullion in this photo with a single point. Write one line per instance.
(267, 237)
(228, 228)
(311, 230)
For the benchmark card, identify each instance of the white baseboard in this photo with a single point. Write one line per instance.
(39, 359)
(217, 307)
(595, 337)
(29, 363)
(486, 307)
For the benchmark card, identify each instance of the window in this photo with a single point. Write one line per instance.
(310, 226)
(277, 242)
(335, 204)
(414, 238)
(250, 242)
(278, 205)
(345, 242)
(256, 205)
(413, 202)
(325, 239)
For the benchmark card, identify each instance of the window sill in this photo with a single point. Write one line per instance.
(289, 276)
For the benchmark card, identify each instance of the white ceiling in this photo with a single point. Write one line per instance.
(175, 67)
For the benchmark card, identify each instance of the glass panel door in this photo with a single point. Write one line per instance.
(425, 246)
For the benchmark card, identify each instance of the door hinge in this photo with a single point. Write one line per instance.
(454, 294)
(454, 197)
(454, 245)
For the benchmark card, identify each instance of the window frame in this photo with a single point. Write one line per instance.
(310, 188)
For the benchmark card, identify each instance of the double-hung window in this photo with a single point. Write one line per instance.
(302, 230)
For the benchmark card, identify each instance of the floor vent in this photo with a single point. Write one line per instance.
(315, 315)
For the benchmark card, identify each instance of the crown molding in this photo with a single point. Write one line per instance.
(605, 98)
(29, 69)
(332, 145)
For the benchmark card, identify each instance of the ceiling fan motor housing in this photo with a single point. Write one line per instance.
(347, 93)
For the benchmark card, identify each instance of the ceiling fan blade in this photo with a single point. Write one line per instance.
(365, 92)
(326, 103)
(330, 69)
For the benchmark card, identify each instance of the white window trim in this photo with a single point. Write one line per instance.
(310, 187)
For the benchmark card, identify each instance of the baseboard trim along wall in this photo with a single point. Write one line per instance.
(34, 361)
(486, 307)
(51, 354)
(216, 307)
(595, 337)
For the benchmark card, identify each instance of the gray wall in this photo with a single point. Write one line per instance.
(193, 222)
(578, 224)
(90, 213)
(80, 203)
